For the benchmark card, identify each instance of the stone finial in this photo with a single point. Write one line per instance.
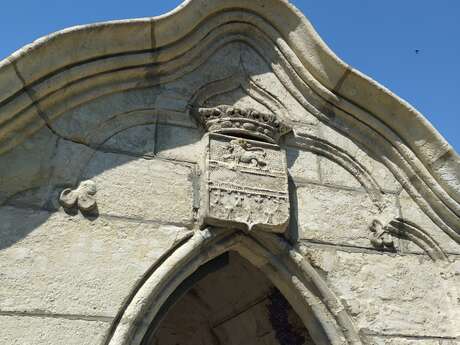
(379, 236)
(81, 197)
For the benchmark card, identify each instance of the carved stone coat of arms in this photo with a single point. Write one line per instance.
(245, 181)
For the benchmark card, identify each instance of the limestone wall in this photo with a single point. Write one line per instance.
(65, 276)
(375, 218)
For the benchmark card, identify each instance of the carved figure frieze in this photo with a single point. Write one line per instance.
(249, 208)
(83, 197)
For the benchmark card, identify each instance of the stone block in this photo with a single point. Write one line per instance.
(238, 98)
(58, 263)
(29, 330)
(179, 143)
(392, 294)
(412, 212)
(335, 175)
(149, 189)
(69, 162)
(376, 168)
(395, 340)
(177, 119)
(223, 64)
(28, 167)
(97, 120)
(339, 216)
(302, 164)
(68, 46)
(10, 80)
(264, 79)
(138, 140)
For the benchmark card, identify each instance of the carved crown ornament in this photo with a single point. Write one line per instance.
(230, 120)
(245, 180)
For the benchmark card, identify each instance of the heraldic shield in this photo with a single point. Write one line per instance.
(246, 184)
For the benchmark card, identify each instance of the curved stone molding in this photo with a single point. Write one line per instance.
(382, 237)
(41, 81)
(288, 269)
(336, 154)
(82, 197)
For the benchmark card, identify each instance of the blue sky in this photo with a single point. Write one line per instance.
(380, 38)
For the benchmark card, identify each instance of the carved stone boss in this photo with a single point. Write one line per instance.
(245, 181)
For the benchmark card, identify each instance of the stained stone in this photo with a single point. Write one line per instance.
(377, 169)
(138, 140)
(417, 341)
(179, 143)
(33, 330)
(143, 188)
(302, 165)
(388, 294)
(28, 166)
(82, 266)
(339, 216)
(411, 211)
(115, 204)
(336, 175)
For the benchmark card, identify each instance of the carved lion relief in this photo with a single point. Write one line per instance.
(245, 181)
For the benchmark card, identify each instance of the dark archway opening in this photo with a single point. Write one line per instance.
(227, 301)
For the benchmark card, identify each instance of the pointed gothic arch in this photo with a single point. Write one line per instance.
(71, 103)
(322, 313)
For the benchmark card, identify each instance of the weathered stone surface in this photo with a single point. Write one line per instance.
(98, 120)
(69, 162)
(125, 91)
(26, 330)
(38, 58)
(378, 171)
(224, 63)
(264, 79)
(182, 119)
(245, 185)
(237, 98)
(28, 167)
(339, 216)
(389, 294)
(412, 212)
(149, 189)
(179, 143)
(12, 83)
(302, 164)
(394, 340)
(138, 140)
(64, 264)
(336, 175)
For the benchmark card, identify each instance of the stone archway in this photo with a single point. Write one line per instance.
(320, 311)
(227, 301)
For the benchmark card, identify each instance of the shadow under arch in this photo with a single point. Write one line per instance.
(290, 272)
